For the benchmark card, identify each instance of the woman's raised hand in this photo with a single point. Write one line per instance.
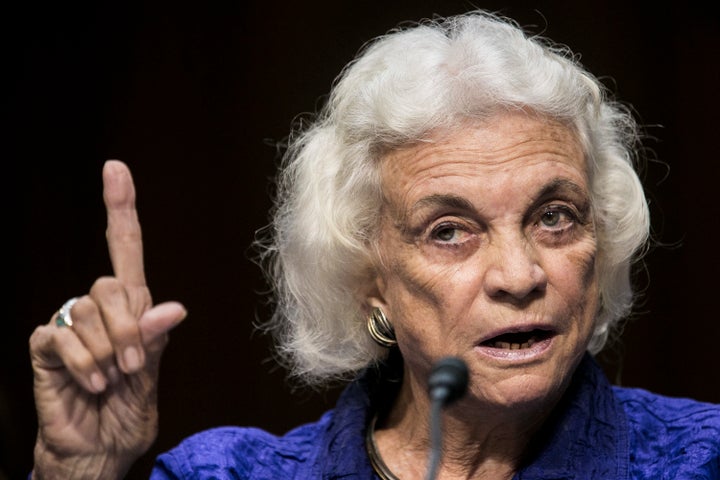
(95, 381)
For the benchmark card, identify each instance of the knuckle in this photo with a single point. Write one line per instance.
(39, 338)
(106, 286)
(48, 338)
(80, 361)
(85, 308)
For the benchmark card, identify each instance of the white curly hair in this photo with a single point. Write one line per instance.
(318, 250)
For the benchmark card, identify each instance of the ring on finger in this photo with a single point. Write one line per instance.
(63, 318)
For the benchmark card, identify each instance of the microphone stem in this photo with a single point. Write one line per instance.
(435, 437)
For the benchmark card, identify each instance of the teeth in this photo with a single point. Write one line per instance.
(515, 346)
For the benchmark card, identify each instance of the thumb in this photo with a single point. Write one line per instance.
(156, 322)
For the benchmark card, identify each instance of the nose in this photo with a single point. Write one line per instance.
(513, 269)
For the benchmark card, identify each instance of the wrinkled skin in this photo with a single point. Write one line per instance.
(95, 382)
(487, 230)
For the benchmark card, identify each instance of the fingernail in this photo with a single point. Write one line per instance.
(98, 382)
(131, 356)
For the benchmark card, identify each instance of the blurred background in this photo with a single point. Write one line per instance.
(196, 96)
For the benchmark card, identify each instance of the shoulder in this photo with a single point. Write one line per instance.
(243, 452)
(658, 411)
(675, 435)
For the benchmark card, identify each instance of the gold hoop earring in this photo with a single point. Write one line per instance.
(380, 328)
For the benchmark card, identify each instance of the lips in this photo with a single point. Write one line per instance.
(518, 344)
(518, 340)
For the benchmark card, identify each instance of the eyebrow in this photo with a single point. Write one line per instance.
(455, 202)
(442, 200)
(460, 203)
(560, 184)
(438, 200)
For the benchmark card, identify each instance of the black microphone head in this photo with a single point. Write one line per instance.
(448, 380)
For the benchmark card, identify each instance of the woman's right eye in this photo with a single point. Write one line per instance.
(448, 233)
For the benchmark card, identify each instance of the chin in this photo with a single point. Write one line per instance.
(531, 386)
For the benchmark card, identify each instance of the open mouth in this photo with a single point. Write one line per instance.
(518, 340)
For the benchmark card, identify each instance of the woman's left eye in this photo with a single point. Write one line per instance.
(550, 219)
(556, 217)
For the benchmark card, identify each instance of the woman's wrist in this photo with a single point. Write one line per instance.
(51, 466)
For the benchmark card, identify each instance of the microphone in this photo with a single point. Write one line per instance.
(448, 381)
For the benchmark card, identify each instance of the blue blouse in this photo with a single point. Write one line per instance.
(596, 432)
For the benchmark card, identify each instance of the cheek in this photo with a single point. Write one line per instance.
(410, 284)
(574, 276)
(407, 277)
(575, 262)
(577, 269)
(421, 300)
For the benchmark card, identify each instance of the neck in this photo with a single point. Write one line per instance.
(479, 441)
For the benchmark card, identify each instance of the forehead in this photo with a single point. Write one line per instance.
(509, 151)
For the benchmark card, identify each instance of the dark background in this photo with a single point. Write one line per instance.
(195, 96)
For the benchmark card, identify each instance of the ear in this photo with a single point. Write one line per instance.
(376, 294)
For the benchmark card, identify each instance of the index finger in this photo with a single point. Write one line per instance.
(124, 237)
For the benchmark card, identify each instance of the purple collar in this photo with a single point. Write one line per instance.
(586, 436)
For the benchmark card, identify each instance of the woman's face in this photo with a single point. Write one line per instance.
(488, 252)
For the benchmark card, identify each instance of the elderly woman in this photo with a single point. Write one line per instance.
(467, 191)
